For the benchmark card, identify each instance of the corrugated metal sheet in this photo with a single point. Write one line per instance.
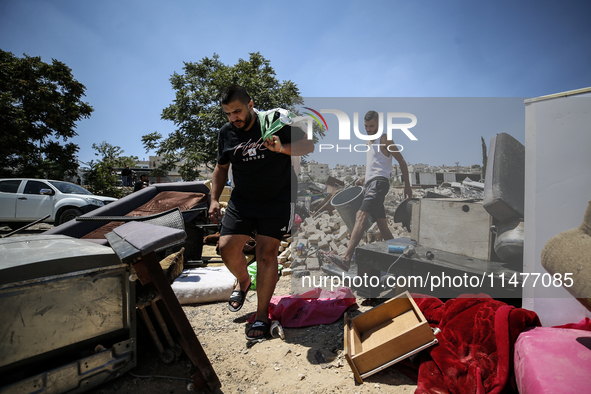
(449, 177)
(427, 178)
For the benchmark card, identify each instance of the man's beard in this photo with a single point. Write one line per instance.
(247, 121)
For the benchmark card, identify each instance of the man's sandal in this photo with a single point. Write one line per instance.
(258, 325)
(238, 296)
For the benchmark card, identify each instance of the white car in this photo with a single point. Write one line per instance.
(25, 200)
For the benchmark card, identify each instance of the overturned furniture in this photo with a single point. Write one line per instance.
(68, 315)
(192, 198)
(136, 243)
(385, 335)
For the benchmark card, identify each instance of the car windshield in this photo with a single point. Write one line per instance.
(69, 188)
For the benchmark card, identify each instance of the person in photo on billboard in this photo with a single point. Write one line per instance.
(378, 166)
(261, 201)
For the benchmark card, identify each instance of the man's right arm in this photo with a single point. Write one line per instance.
(403, 167)
(220, 176)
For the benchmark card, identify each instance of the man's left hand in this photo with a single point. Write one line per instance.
(273, 143)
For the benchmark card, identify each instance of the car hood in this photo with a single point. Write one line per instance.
(102, 198)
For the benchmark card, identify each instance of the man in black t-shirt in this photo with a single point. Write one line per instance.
(261, 200)
(142, 183)
(126, 176)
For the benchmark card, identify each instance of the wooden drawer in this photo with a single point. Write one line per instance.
(385, 335)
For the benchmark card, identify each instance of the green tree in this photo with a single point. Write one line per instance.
(197, 113)
(101, 176)
(158, 172)
(484, 157)
(40, 104)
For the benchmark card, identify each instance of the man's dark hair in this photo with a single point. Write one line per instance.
(233, 93)
(371, 115)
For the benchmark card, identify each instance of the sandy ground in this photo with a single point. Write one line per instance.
(308, 360)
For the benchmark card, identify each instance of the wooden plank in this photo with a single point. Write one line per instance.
(455, 226)
(348, 335)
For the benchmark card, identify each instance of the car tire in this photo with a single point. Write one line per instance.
(69, 214)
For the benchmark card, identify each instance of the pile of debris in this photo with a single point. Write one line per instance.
(325, 230)
(466, 189)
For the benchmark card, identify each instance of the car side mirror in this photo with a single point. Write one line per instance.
(47, 192)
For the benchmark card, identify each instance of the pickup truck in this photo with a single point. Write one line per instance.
(25, 200)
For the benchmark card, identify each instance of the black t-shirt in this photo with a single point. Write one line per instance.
(139, 185)
(260, 175)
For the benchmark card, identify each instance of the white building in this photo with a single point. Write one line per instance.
(318, 171)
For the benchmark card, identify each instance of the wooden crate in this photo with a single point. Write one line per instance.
(453, 225)
(385, 335)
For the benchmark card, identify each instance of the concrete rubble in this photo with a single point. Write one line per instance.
(325, 230)
(466, 189)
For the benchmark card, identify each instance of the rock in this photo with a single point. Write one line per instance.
(342, 234)
(314, 239)
(322, 244)
(333, 245)
(312, 263)
(319, 357)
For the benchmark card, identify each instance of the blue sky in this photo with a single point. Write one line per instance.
(125, 51)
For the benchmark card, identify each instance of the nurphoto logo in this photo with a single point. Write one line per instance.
(345, 128)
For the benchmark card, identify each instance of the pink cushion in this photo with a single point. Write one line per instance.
(553, 360)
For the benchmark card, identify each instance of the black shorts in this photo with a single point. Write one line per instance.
(276, 226)
(375, 194)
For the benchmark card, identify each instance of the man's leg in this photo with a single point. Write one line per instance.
(384, 229)
(231, 251)
(266, 252)
(356, 235)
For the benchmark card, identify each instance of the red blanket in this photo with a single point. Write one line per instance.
(475, 350)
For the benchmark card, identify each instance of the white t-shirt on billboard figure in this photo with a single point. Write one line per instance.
(376, 163)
